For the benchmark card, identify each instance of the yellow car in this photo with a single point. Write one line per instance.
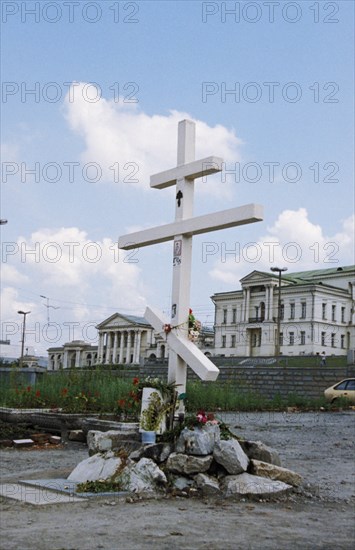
(345, 388)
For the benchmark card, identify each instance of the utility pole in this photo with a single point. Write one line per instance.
(48, 306)
(278, 270)
(24, 313)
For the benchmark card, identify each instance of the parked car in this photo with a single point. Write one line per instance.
(345, 388)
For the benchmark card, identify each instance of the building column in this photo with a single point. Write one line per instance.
(77, 358)
(65, 359)
(134, 346)
(246, 304)
(269, 302)
(115, 339)
(108, 347)
(138, 347)
(100, 348)
(129, 344)
(120, 359)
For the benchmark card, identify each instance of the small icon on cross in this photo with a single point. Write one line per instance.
(179, 196)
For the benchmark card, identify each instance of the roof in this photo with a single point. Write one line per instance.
(298, 277)
(133, 319)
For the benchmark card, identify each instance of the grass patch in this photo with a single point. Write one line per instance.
(101, 391)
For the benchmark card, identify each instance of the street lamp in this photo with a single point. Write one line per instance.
(278, 270)
(24, 313)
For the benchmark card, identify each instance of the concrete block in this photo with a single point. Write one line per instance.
(55, 440)
(19, 443)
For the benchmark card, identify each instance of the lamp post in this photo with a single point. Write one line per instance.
(24, 313)
(278, 270)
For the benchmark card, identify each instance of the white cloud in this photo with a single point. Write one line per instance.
(86, 281)
(141, 144)
(293, 241)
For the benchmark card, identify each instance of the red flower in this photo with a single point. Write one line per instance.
(38, 393)
(135, 381)
(121, 403)
(28, 388)
(64, 392)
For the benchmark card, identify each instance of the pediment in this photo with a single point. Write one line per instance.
(119, 320)
(256, 277)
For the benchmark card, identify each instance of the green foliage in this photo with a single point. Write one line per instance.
(99, 486)
(153, 415)
(102, 391)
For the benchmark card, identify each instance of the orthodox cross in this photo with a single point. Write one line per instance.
(182, 351)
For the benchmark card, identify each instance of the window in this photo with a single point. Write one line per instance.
(343, 314)
(223, 341)
(292, 311)
(303, 310)
(333, 312)
(303, 337)
(234, 316)
(351, 385)
(324, 311)
(282, 311)
(281, 339)
(292, 338)
(342, 341)
(323, 339)
(233, 341)
(333, 340)
(224, 316)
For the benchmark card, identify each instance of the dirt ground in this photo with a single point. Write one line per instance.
(320, 446)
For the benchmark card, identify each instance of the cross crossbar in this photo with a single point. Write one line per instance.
(191, 171)
(240, 215)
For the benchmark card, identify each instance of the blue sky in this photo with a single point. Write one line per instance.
(161, 62)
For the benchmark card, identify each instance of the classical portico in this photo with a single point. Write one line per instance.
(122, 338)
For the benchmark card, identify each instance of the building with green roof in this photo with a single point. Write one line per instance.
(316, 314)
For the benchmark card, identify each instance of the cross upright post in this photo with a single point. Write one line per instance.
(182, 251)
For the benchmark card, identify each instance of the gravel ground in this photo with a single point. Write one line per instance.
(320, 446)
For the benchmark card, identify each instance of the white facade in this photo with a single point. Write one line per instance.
(317, 314)
(123, 339)
(126, 339)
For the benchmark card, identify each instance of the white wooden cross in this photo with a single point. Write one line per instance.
(183, 352)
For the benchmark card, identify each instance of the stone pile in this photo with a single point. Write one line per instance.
(199, 463)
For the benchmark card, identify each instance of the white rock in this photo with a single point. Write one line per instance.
(199, 442)
(208, 485)
(260, 451)
(95, 467)
(231, 456)
(187, 464)
(142, 477)
(247, 484)
(271, 471)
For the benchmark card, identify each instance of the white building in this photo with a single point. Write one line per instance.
(317, 314)
(123, 339)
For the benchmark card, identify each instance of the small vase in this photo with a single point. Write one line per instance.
(148, 437)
